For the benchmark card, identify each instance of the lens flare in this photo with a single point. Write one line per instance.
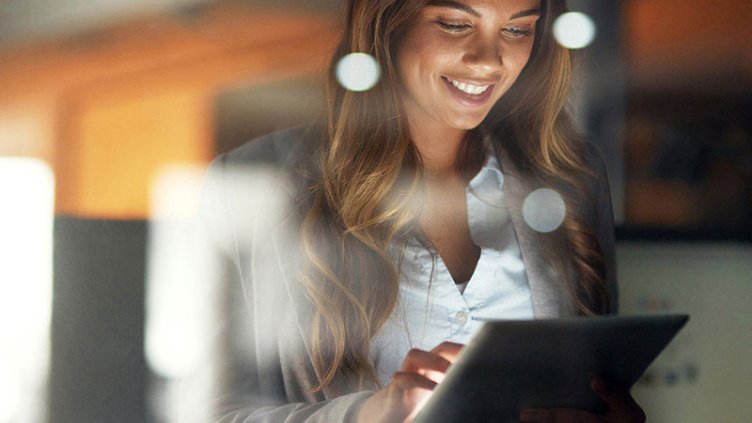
(196, 221)
(358, 72)
(177, 319)
(574, 30)
(544, 210)
(27, 189)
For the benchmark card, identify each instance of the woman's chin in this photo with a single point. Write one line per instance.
(467, 122)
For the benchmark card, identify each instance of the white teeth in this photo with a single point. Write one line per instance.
(469, 88)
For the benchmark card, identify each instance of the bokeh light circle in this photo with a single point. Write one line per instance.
(544, 210)
(358, 72)
(574, 30)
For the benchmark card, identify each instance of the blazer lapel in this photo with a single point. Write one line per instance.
(547, 289)
(288, 254)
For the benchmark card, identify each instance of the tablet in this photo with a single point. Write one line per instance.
(511, 365)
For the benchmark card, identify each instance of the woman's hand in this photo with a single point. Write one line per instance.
(622, 408)
(411, 387)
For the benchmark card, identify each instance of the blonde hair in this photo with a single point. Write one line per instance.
(369, 170)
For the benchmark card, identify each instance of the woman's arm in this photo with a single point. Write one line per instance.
(340, 409)
(239, 210)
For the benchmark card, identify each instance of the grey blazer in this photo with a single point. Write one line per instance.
(258, 239)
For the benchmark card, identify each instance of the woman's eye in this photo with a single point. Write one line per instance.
(513, 32)
(453, 27)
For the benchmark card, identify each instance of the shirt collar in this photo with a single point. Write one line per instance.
(488, 184)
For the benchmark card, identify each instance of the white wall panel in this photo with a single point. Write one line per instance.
(705, 375)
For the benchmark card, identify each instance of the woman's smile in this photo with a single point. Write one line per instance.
(471, 94)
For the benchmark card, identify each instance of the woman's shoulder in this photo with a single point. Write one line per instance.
(259, 179)
(594, 157)
(280, 148)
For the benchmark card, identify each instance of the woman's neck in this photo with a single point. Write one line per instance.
(439, 148)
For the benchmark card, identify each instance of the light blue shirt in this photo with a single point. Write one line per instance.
(431, 308)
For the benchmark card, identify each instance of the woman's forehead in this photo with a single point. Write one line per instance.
(478, 7)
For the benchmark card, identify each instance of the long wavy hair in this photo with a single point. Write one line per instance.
(360, 206)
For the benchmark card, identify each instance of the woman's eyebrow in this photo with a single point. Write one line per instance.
(524, 13)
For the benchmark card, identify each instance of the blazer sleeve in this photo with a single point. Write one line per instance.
(237, 213)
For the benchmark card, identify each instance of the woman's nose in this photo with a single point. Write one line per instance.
(484, 55)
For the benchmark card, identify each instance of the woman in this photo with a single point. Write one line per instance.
(409, 222)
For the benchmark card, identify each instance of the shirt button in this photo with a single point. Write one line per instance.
(460, 318)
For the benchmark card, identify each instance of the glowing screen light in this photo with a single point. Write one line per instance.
(358, 72)
(544, 210)
(574, 30)
(26, 216)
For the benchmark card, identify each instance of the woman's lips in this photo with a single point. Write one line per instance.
(471, 100)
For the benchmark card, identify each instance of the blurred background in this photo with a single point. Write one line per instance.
(110, 111)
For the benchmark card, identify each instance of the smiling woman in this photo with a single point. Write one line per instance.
(408, 228)
(457, 60)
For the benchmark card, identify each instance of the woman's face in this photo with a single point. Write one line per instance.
(460, 57)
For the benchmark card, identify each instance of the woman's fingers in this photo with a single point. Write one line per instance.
(417, 359)
(559, 415)
(432, 364)
(411, 387)
(612, 394)
(426, 363)
(449, 350)
(622, 407)
(408, 380)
